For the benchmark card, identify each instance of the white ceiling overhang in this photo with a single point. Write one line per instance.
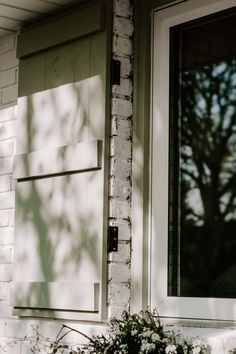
(16, 14)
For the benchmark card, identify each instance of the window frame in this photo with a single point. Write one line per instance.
(172, 306)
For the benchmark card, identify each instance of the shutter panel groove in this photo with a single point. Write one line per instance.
(63, 295)
(60, 160)
(59, 169)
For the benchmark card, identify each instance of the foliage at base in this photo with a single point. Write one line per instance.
(132, 334)
(142, 333)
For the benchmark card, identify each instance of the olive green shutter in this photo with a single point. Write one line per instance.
(59, 168)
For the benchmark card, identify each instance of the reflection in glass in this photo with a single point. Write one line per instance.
(202, 188)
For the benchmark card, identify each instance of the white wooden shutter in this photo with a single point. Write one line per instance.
(59, 169)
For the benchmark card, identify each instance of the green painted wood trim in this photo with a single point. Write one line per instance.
(152, 4)
(70, 158)
(106, 160)
(77, 24)
(141, 142)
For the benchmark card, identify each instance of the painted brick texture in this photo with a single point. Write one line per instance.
(121, 159)
(8, 115)
(8, 72)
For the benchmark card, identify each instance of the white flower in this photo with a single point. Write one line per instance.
(155, 337)
(171, 349)
(134, 332)
(124, 349)
(147, 347)
(198, 343)
(144, 342)
(196, 350)
(147, 333)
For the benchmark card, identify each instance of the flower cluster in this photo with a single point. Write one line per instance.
(142, 334)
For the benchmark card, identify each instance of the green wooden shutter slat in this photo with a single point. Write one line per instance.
(77, 24)
(54, 295)
(59, 222)
(70, 158)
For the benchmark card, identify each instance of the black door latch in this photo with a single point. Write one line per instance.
(113, 239)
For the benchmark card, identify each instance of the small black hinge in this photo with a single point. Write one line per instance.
(113, 239)
(115, 72)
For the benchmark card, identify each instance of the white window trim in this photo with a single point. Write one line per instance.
(180, 307)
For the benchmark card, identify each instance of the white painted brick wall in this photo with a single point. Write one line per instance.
(119, 295)
(8, 114)
(6, 237)
(121, 159)
(7, 45)
(9, 94)
(7, 200)
(5, 183)
(4, 218)
(8, 73)
(8, 60)
(123, 8)
(4, 291)
(6, 148)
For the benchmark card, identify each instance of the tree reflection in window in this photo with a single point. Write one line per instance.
(202, 192)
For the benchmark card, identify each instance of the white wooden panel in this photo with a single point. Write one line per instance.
(32, 75)
(60, 66)
(59, 229)
(70, 158)
(97, 97)
(78, 107)
(82, 89)
(50, 118)
(58, 314)
(81, 23)
(60, 219)
(64, 296)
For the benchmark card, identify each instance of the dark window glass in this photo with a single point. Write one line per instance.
(202, 158)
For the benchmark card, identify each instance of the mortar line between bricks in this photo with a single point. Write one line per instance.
(9, 119)
(124, 56)
(7, 86)
(10, 67)
(9, 174)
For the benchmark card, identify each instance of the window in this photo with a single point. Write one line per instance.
(193, 269)
(202, 158)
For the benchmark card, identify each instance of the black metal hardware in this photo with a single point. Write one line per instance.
(115, 72)
(113, 239)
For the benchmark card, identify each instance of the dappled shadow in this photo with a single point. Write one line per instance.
(59, 218)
